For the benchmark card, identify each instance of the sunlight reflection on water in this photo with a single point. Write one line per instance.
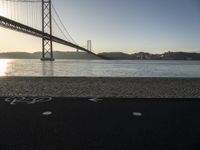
(3, 66)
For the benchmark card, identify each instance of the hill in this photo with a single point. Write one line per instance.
(116, 55)
(111, 55)
(149, 56)
(57, 55)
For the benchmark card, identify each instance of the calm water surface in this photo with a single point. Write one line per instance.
(100, 68)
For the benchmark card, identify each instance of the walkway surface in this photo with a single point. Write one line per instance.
(99, 124)
(100, 87)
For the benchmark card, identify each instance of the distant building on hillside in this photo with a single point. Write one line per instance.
(142, 55)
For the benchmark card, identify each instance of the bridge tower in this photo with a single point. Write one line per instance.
(89, 45)
(47, 45)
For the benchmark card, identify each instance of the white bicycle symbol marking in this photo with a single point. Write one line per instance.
(28, 100)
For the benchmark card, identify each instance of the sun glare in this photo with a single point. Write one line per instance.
(2, 9)
(3, 66)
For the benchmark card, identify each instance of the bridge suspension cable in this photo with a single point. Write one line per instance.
(63, 26)
(23, 11)
(25, 1)
(26, 16)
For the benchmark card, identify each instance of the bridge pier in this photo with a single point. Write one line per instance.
(47, 59)
(47, 44)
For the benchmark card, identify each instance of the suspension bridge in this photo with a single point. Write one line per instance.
(38, 18)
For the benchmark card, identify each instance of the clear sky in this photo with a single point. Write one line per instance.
(129, 26)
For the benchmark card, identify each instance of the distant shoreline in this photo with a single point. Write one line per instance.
(100, 87)
(110, 55)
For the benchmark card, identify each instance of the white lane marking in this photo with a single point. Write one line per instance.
(28, 100)
(137, 114)
(95, 100)
(47, 113)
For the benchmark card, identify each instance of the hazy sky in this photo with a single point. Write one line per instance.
(122, 25)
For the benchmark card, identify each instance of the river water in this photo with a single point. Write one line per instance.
(100, 68)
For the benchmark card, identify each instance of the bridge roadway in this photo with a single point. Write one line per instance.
(16, 26)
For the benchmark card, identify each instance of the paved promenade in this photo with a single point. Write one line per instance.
(99, 124)
(100, 87)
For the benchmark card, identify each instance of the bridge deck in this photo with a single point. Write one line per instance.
(13, 25)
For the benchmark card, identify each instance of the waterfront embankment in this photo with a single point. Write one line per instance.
(100, 87)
